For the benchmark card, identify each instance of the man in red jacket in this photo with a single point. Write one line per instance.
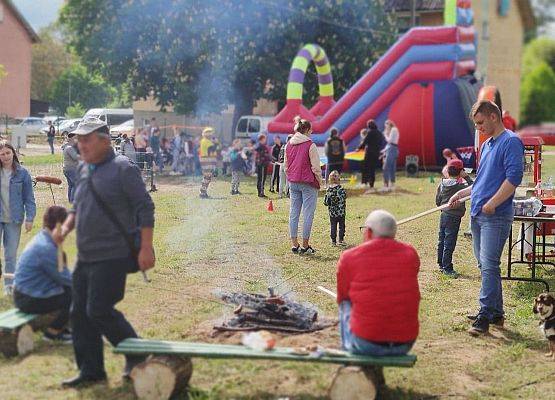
(377, 291)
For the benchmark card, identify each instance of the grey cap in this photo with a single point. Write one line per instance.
(90, 126)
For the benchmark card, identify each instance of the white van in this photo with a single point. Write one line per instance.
(112, 116)
(249, 125)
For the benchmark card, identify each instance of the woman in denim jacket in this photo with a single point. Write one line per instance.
(17, 204)
(41, 286)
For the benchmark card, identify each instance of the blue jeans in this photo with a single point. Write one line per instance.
(390, 164)
(71, 177)
(10, 234)
(489, 234)
(303, 196)
(448, 231)
(353, 344)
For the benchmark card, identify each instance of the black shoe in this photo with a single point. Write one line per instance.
(498, 321)
(130, 363)
(61, 337)
(204, 196)
(272, 191)
(295, 250)
(81, 381)
(308, 250)
(451, 273)
(262, 195)
(479, 327)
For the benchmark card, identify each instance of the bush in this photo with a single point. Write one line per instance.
(538, 51)
(76, 110)
(537, 95)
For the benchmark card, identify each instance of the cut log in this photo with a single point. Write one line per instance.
(161, 377)
(17, 342)
(42, 321)
(355, 383)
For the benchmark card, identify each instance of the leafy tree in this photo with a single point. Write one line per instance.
(200, 56)
(77, 85)
(538, 51)
(544, 11)
(76, 110)
(538, 95)
(49, 59)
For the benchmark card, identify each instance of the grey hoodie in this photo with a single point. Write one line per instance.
(447, 188)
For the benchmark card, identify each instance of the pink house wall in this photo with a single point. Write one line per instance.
(15, 56)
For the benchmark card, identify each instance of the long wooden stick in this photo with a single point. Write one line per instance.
(60, 251)
(327, 291)
(431, 211)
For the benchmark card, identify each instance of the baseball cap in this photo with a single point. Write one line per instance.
(88, 126)
(456, 163)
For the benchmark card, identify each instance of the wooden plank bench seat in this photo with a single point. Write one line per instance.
(16, 331)
(169, 368)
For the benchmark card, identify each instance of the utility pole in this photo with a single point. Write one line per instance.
(69, 94)
(413, 13)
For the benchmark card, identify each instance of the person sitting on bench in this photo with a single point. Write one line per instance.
(377, 291)
(40, 288)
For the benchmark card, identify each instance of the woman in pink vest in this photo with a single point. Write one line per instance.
(302, 166)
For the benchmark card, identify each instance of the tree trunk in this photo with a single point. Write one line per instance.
(161, 377)
(355, 383)
(17, 342)
(244, 104)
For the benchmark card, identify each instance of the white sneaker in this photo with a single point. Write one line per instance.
(391, 188)
(384, 189)
(371, 191)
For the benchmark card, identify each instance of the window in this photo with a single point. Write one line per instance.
(242, 125)
(116, 119)
(254, 125)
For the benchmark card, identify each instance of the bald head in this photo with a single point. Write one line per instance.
(382, 224)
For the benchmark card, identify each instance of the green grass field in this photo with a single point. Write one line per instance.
(236, 244)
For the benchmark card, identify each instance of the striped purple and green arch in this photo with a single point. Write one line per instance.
(310, 52)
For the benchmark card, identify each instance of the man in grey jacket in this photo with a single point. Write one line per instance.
(450, 220)
(104, 256)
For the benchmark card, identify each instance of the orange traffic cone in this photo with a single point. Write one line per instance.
(270, 206)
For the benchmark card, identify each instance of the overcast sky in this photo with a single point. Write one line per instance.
(39, 13)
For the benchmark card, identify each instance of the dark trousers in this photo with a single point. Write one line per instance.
(51, 144)
(97, 288)
(37, 305)
(261, 178)
(334, 221)
(71, 177)
(369, 166)
(275, 178)
(448, 232)
(333, 165)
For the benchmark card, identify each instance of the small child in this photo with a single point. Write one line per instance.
(450, 219)
(237, 162)
(335, 200)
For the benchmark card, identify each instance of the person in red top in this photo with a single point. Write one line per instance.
(377, 291)
(508, 121)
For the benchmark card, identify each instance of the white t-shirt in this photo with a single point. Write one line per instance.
(5, 177)
(393, 136)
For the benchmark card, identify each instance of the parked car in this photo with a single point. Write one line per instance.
(32, 125)
(112, 116)
(251, 125)
(127, 128)
(68, 126)
(56, 119)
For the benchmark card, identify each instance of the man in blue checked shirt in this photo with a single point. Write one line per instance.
(499, 173)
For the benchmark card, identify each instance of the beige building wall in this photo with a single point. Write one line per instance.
(15, 56)
(500, 48)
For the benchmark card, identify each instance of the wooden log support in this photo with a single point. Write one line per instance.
(356, 383)
(161, 377)
(17, 342)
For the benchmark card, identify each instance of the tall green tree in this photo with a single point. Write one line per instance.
(50, 58)
(200, 56)
(537, 95)
(77, 85)
(537, 51)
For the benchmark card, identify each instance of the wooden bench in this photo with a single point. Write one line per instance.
(16, 331)
(168, 369)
